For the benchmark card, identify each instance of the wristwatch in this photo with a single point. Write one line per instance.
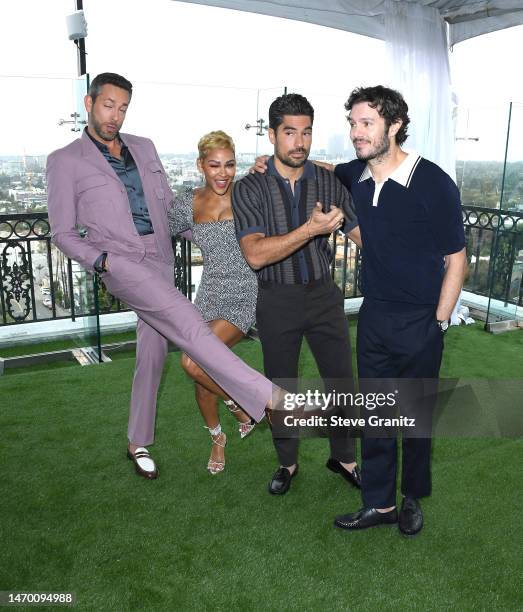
(99, 265)
(443, 325)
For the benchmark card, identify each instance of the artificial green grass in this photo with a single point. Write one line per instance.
(75, 517)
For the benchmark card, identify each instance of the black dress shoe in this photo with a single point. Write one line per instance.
(411, 517)
(353, 477)
(365, 518)
(281, 481)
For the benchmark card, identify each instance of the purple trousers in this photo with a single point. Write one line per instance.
(164, 314)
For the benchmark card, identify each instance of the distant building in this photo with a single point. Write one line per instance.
(29, 197)
(11, 166)
(336, 146)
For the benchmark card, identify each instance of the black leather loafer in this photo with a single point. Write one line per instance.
(281, 481)
(411, 517)
(354, 477)
(365, 518)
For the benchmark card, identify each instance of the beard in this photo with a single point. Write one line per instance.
(97, 127)
(287, 160)
(381, 149)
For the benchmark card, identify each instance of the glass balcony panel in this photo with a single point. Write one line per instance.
(513, 178)
(505, 281)
(480, 151)
(39, 286)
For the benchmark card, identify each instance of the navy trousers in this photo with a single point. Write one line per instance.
(396, 341)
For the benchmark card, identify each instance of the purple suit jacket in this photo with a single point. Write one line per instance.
(85, 192)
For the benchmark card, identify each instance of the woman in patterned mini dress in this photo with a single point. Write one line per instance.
(226, 296)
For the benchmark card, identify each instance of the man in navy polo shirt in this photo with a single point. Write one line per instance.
(414, 262)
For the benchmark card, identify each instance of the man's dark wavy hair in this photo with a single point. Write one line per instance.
(109, 78)
(289, 104)
(388, 102)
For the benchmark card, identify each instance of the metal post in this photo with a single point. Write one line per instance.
(71, 289)
(97, 315)
(80, 45)
(494, 251)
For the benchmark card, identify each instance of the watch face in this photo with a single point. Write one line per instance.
(443, 325)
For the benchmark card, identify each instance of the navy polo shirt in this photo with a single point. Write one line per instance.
(408, 224)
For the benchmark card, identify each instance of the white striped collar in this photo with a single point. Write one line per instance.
(402, 174)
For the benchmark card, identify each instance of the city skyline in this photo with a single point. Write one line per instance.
(200, 81)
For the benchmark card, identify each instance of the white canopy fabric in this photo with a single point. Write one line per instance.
(418, 66)
(466, 18)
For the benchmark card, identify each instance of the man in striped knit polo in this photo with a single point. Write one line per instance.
(284, 218)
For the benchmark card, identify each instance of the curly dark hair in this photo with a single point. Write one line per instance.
(289, 104)
(109, 78)
(388, 102)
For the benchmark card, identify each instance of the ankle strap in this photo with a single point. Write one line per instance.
(232, 405)
(214, 431)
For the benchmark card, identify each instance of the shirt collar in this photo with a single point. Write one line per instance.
(402, 174)
(308, 170)
(103, 148)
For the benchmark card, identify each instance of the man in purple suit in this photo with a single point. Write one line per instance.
(114, 186)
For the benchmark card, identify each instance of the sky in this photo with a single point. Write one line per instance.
(197, 68)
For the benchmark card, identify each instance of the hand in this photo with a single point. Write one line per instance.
(260, 164)
(324, 223)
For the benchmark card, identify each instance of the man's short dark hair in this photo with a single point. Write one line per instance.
(289, 104)
(109, 78)
(388, 102)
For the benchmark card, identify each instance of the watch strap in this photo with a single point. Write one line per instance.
(99, 264)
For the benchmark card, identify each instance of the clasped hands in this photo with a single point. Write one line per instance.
(324, 223)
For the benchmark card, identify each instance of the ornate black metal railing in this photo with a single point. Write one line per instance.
(37, 282)
(494, 253)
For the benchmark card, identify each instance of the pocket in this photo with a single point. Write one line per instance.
(90, 182)
(123, 271)
(154, 166)
(156, 174)
(158, 181)
(93, 202)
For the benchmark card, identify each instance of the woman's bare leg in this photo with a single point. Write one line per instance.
(230, 335)
(207, 392)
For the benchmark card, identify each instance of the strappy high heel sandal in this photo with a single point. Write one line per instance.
(220, 439)
(244, 428)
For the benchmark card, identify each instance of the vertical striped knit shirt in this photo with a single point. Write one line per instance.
(265, 203)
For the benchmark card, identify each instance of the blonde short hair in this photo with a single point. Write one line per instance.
(214, 140)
